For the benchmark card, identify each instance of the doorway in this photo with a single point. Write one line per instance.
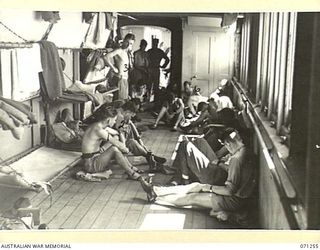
(148, 33)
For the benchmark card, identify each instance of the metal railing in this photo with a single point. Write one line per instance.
(289, 204)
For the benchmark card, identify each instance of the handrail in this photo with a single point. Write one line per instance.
(286, 201)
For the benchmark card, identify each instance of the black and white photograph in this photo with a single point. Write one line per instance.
(166, 120)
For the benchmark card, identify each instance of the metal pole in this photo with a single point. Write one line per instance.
(282, 80)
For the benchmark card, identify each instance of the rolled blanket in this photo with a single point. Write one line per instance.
(22, 107)
(13, 112)
(6, 121)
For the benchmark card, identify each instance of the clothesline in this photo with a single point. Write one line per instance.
(11, 45)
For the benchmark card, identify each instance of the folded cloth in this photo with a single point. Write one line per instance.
(95, 177)
(53, 80)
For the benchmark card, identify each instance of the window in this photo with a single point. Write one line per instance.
(273, 62)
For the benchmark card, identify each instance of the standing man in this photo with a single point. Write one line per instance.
(155, 57)
(122, 64)
(139, 76)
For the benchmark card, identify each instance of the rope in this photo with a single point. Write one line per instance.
(32, 185)
(46, 34)
(13, 32)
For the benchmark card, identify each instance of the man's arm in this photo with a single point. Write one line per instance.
(181, 108)
(167, 60)
(221, 190)
(109, 57)
(102, 133)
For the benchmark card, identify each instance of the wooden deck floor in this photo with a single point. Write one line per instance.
(118, 203)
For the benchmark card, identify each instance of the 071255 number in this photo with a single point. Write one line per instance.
(309, 246)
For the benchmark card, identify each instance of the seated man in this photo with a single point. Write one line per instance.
(131, 136)
(128, 134)
(197, 162)
(172, 111)
(191, 97)
(95, 134)
(223, 200)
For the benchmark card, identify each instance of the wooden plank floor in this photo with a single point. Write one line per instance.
(118, 203)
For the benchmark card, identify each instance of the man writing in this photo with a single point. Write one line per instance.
(223, 200)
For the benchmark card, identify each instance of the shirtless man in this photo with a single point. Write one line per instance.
(99, 132)
(122, 64)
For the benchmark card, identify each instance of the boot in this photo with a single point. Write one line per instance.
(153, 165)
(147, 186)
(158, 159)
(8, 123)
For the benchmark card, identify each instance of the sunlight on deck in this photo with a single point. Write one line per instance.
(163, 222)
(158, 207)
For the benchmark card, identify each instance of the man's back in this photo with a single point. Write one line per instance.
(140, 58)
(91, 139)
(241, 174)
(155, 56)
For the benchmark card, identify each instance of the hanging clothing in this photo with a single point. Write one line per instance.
(53, 79)
(97, 35)
(28, 68)
(5, 71)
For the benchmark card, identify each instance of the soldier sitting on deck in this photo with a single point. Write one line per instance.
(223, 200)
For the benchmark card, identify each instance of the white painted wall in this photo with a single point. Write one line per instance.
(68, 32)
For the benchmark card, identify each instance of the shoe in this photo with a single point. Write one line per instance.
(154, 166)
(159, 159)
(148, 188)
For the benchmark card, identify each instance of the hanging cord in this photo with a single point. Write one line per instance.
(13, 32)
(46, 34)
(45, 185)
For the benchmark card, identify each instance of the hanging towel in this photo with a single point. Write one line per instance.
(14, 75)
(5, 71)
(53, 80)
(29, 66)
(97, 34)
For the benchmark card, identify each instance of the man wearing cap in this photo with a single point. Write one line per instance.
(223, 200)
